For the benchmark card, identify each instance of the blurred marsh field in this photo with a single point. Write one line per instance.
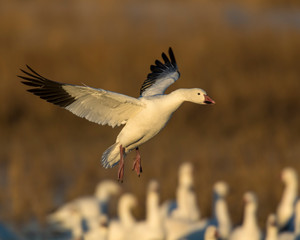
(246, 56)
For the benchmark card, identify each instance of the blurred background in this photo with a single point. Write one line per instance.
(245, 55)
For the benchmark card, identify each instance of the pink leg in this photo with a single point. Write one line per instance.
(121, 164)
(137, 163)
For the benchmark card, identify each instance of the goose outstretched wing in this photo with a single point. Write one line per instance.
(96, 105)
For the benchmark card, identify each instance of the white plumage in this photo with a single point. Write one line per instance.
(119, 229)
(271, 229)
(294, 235)
(162, 222)
(187, 208)
(286, 206)
(143, 117)
(152, 227)
(221, 216)
(211, 233)
(90, 208)
(249, 230)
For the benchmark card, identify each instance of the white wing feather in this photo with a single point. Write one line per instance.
(101, 106)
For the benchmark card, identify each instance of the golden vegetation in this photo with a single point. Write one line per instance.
(247, 58)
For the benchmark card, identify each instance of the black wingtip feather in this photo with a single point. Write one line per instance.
(172, 57)
(160, 69)
(165, 58)
(46, 89)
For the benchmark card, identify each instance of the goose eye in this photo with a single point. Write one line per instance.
(199, 93)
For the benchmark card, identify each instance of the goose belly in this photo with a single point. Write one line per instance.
(141, 128)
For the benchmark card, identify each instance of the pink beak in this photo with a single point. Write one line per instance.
(208, 100)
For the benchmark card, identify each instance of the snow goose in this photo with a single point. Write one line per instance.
(220, 222)
(221, 217)
(121, 228)
(91, 208)
(183, 220)
(186, 201)
(249, 229)
(271, 229)
(211, 233)
(72, 228)
(100, 232)
(143, 117)
(152, 227)
(295, 235)
(285, 208)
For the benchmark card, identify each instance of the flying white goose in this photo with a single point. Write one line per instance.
(286, 206)
(249, 229)
(143, 117)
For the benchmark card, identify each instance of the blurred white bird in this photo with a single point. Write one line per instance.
(182, 217)
(295, 235)
(186, 200)
(99, 232)
(144, 117)
(221, 217)
(120, 228)
(249, 230)
(152, 227)
(70, 228)
(271, 228)
(211, 233)
(286, 206)
(91, 208)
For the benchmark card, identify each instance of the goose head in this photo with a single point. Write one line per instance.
(221, 189)
(250, 201)
(289, 175)
(126, 203)
(152, 196)
(272, 230)
(106, 189)
(197, 95)
(186, 175)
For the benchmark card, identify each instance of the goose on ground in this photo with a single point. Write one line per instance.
(186, 201)
(285, 208)
(120, 229)
(221, 217)
(91, 208)
(211, 233)
(249, 230)
(152, 227)
(271, 229)
(100, 232)
(183, 221)
(295, 235)
(72, 228)
(143, 117)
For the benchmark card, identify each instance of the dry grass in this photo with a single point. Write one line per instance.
(248, 63)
